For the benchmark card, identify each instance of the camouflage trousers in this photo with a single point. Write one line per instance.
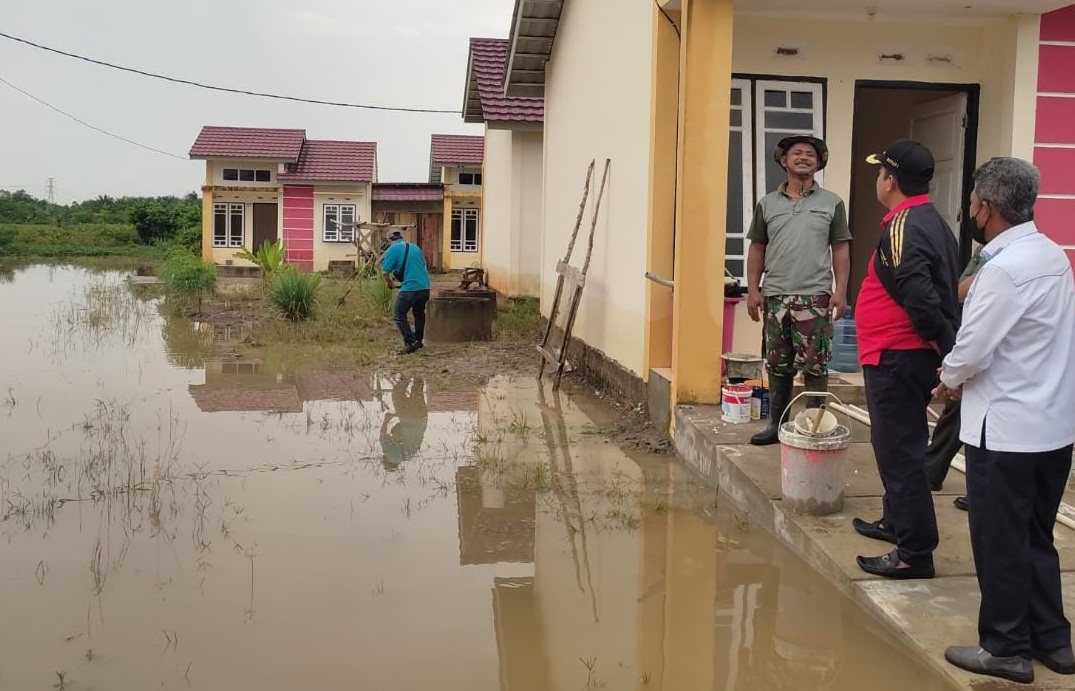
(798, 335)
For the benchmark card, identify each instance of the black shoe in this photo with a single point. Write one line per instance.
(1061, 660)
(961, 503)
(769, 435)
(887, 565)
(979, 661)
(419, 345)
(407, 350)
(874, 531)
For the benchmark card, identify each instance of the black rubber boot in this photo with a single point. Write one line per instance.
(779, 398)
(812, 383)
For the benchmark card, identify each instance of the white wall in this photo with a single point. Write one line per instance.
(511, 210)
(497, 200)
(597, 94)
(528, 167)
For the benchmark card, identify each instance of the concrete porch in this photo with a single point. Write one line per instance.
(927, 615)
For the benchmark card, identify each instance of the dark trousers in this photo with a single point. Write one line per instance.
(944, 445)
(898, 390)
(1014, 498)
(411, 301)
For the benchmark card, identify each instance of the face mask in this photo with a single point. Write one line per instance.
(977, 232)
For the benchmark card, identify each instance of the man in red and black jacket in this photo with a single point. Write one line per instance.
(907, 317)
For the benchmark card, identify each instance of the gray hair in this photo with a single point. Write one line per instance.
(1010, 185)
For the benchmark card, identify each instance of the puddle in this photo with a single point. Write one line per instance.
(181, 514)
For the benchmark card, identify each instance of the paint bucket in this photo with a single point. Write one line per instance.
(735, 403)
(813, 469)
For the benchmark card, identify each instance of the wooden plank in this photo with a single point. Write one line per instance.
(570, 272)
(548, 356)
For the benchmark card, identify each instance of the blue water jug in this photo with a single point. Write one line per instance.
(845, 354)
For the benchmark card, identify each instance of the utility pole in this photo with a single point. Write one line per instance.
(50, 191)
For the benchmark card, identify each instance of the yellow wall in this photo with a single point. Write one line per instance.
(596, 107)
(458, 196)
(511, 211)
(359, 195)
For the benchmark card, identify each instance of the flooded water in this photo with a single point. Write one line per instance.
(180, 514)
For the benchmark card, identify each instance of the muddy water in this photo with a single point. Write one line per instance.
(180, 513)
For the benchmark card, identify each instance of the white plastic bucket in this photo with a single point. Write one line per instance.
(735, 403)
(813, 469)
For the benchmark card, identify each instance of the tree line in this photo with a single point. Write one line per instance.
(154, 218)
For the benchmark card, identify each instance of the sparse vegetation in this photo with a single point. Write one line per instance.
(187, 275)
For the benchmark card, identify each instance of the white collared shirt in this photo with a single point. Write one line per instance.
(1015, 352)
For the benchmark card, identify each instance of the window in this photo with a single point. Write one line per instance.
(470, 178)
(228, 225)
(339, 223)
(763, 113)
(247, 175)
(464, 230)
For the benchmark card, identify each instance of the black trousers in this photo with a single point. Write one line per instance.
(898, 390)
(1014, 498)
(944, 445)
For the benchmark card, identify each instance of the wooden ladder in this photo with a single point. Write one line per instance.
(569, 283)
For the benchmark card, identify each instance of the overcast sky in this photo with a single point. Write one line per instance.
(409, 53)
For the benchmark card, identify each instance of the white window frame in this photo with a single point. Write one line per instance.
(331, 231)
(760, 130)
(464, 244)
(231, 238)
(747, 130)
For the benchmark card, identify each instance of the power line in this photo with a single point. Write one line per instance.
(244, 92)
(86, 124)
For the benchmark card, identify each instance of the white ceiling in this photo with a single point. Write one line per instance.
(969, 9)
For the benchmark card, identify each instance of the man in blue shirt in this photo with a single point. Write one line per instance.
(404, 264)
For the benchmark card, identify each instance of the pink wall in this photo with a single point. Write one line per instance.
(299, 225)
(1054, 137)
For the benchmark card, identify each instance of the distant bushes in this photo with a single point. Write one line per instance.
(87, 240)
(187, 275)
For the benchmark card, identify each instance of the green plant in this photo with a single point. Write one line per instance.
(269, 257)
(295, 293)
(190, 239)
(379, 295)
(186, 274)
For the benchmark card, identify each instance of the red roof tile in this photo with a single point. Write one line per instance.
(248, 142)
(488, 61)
(408, 192)
(447, 149)
(336, 161)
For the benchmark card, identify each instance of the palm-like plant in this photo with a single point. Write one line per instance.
(269, 257)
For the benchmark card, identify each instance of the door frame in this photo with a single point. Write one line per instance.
(970, 144)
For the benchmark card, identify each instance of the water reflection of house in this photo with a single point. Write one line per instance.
(247, 384)
(496, 519)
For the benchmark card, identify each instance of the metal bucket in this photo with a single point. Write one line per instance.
(813, 469)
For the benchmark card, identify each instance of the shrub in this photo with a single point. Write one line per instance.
(186, 274)
(7, 239)
(379, 295)
(295, 293)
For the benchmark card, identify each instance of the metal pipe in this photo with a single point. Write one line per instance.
(660, 281)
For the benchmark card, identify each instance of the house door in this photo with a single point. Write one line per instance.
(430, 232)
(265, 225)
(943, 118)
(940, 126)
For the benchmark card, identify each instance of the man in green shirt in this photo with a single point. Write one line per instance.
(799, 242)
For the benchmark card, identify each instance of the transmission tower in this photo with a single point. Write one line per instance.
(50, 191)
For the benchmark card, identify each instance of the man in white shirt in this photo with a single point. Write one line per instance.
(1014, 366)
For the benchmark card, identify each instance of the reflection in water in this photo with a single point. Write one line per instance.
(162, 527)
(404, 422)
